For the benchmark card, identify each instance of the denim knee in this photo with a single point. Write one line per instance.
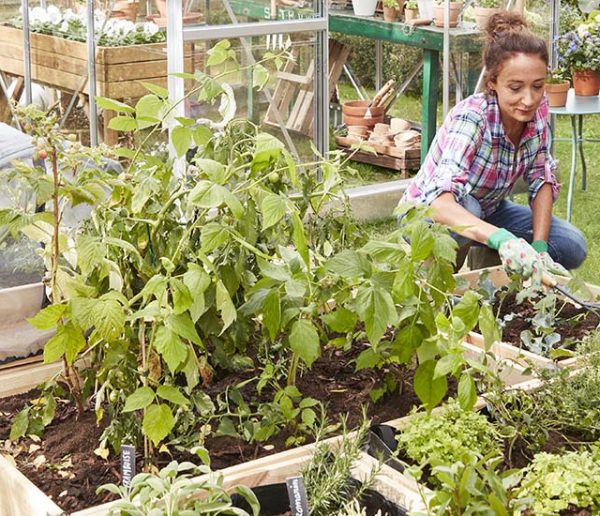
(570, 250)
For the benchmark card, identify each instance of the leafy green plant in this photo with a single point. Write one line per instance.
(411, 4)
(490, 4)
(554, 483)
(390, 4)
(179, 489)
(449, 435)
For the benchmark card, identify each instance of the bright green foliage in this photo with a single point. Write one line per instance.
(449, 435)
(555, 482)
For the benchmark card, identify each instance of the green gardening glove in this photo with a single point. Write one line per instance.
(517, 256)
(541, 246)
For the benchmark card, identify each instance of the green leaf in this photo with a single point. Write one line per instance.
(172, 394)
(207, 194)
(123, 123)
(349, 264)
(202, 135)
(299, 237)
(341, 320)
(368, 359)
(158, 422)
(169, 345)
(113, 105)
(260, 76)
(109, 317)
(68, 341)
(181, 138)
(250, 497)
(148, 111)
(49, 410)
(468, 309)
(182, 298)
(219, 53)
(406, 342)
(214, 170)
(90, 251)
(447, 364)
(225, 305)
(159, 91)
(268, 149)
(48, 317)
(184, 327)
(467, 392)
(274, 208)
(272, 313)
(488, 326)
(421, 241)
(405, 285)
(213, 235)
(20, 424)
(139, 399)
(304, 341)
(376, 308)
(429, 390)
(196, 279)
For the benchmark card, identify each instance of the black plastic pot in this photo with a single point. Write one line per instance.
(274, 501)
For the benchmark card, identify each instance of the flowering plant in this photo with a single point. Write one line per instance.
(579, 49)
(109, 33)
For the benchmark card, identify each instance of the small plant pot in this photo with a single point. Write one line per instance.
(557, 93)
(586, 83)
(364, 7)
(455, 9)
(390, 14)
(410, 14)
(483, 14)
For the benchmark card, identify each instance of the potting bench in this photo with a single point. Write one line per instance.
(576, 107)
(428, 38)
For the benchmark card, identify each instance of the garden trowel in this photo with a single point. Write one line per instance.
(550, 282)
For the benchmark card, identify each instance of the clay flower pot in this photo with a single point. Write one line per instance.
(129, 10)
(410, 14)
(455, 9)
(586, 83)
(557, 93)
(390, 14)
(364, 7)
(483, 14)
(354, 111)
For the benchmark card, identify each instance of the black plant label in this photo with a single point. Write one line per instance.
(297, 495)
(127, 464)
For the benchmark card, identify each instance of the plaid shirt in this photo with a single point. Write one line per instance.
(472, 155)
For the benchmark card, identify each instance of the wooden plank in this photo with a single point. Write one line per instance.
(281, 95)
(22, 379)
(292, 77)
(20, 362)
(293, 118)
(389, 150)
(6, 111)
(381, 160)
(20, 497)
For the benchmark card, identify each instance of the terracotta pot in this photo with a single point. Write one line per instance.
(410, 14)
(390, 14)
(364, 7)
(358, 108)
(483, 14)
(129, 10)
(400, 7)
(455, 9)
(162, 7)
(360, 120)
(557, 93)
(586, 83)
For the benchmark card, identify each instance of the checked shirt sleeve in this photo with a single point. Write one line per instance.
(447, 167)
(543, 170)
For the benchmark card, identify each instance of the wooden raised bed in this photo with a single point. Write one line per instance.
(514, 359)
(63, 64)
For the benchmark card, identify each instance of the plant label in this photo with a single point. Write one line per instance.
(127, 464)
(297, 495)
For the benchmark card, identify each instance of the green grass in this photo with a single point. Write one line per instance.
(586, 209)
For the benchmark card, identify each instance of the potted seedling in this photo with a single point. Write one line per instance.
(440, 9)
(484, 10)
(411, 10)
(390, 10)
(557, 88)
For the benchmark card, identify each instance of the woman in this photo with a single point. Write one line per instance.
(486, 143)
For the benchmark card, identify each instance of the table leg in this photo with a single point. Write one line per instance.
(431, 72)
(378, 64)
(573, 167)
(580, 142)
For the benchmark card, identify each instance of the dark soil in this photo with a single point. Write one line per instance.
(572, 323)
(14, 279)
(332, 380)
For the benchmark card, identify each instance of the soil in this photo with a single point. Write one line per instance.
(332, 380)
(14, 279)
(573, 323)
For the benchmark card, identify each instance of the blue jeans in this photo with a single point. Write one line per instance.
(566, 244)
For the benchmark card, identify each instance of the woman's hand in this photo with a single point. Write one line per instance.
(520, 258)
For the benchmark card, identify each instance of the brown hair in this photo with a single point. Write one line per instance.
(507, 34)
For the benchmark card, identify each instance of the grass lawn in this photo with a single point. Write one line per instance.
(586, 205)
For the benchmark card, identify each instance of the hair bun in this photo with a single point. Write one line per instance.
(503, 23)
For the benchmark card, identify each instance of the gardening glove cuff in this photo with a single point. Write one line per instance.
(520, 258)
(498, 237)
(541, 246)
(553, 267)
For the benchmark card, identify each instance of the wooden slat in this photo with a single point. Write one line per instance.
(292, 77)
(381, 160)
(389, 150)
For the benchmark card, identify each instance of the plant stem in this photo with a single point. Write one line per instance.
(293, 371)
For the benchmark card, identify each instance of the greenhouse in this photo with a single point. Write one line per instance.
(289, 257)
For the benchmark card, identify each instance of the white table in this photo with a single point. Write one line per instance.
(576, 108)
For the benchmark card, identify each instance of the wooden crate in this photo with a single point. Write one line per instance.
(62, 64)
(402, 160)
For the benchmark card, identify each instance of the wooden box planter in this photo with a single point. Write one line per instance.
(515, 359)
(62, 63)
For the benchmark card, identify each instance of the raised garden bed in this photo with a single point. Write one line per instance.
(516, 361)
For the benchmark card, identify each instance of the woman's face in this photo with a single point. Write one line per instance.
(519, 88)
